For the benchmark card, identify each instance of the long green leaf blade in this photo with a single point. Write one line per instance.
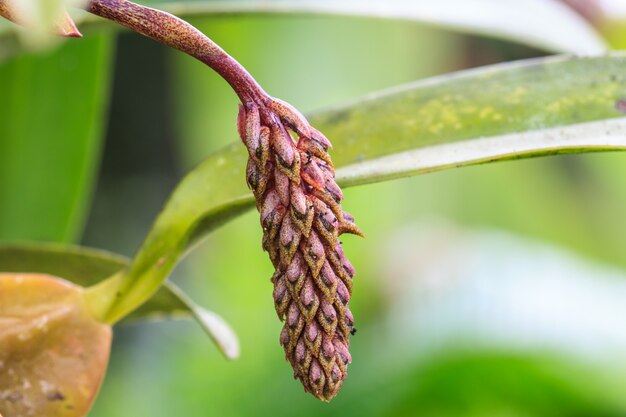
(86, 267)
(529, 22)
(529, 108)
(51, 112)
(525, 109)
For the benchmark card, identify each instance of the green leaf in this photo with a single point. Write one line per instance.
(86, 267)
(51, 129)
(520, 110)
(80, 265)
(508, 111)
(529, 22)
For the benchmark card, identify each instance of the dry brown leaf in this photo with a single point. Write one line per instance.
(53, 353)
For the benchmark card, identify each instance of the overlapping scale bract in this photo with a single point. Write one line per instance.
(292, 177)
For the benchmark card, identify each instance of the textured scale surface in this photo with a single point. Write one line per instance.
(301, 215)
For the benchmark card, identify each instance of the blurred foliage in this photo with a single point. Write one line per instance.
(52, 116)
(530, 22)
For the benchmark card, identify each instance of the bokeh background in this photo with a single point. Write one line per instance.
(495, 290)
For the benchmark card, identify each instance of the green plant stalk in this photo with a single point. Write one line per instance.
(118, 296)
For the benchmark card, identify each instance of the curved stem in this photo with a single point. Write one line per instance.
(122, 293)
(179, 34)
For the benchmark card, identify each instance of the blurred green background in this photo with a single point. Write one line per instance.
(488, 291)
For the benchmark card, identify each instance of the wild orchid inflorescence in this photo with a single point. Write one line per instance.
(292, 178)
(301, 215)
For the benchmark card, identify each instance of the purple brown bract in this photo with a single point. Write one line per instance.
(300, 205)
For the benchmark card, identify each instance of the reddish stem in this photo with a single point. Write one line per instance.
(178, 34)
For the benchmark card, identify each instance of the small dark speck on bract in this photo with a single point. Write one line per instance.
(620, 105)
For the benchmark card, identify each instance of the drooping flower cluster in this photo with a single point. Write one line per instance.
(301, 215)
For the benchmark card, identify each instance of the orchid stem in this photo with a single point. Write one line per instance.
(179, 34)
